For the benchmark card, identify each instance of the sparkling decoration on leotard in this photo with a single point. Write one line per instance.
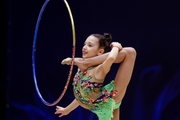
(84, 88)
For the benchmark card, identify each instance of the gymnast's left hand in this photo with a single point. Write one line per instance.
(62, 111)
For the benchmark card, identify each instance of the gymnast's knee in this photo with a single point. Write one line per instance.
(130, 51)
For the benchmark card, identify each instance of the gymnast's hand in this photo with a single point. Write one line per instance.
(62, 111)
(116, 44)
(66, 61)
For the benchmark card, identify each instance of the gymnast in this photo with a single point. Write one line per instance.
(96, 62)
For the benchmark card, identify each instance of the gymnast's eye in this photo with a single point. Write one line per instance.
(90, 45)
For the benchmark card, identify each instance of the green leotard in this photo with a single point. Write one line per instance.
(95, 97)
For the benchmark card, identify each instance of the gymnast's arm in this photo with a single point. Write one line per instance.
(102, 69)
(74, 104)
(84, 63)
(65, 111)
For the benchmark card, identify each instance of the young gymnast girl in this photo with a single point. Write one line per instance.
(94, 65)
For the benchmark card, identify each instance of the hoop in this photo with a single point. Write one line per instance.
(34, 54)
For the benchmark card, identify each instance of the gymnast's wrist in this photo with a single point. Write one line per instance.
(116, 47)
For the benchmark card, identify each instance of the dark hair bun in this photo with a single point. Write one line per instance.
(107, 37)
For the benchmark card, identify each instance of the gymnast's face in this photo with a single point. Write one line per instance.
(91, 47)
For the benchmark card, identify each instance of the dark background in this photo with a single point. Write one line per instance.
(152, 27)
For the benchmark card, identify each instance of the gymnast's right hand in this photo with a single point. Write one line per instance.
(66, 61)
(62, 111)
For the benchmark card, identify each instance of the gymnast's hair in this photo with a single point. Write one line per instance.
(104, 40)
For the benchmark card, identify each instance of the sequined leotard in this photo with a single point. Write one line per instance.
(93, 96)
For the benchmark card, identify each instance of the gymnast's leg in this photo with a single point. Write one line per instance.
(127, 58)
(116, 114)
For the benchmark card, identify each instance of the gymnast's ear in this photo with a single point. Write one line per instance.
(100, 51)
